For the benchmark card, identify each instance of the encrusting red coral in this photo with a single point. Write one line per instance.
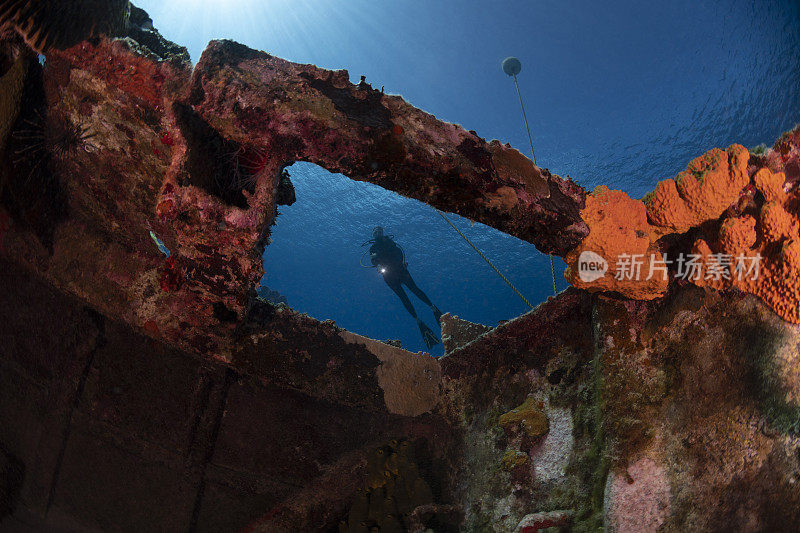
(171, 275)
(165, 209)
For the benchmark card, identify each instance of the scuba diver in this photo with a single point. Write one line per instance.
(389, 259)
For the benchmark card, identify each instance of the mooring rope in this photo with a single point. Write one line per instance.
(484, 258)
(525, 117)
(530, 140)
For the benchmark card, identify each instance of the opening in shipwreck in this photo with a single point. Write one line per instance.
(319, 244)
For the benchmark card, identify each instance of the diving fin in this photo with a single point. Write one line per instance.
(437, 314)
(427, 335)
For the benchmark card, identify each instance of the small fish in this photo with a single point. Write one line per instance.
(161, 246)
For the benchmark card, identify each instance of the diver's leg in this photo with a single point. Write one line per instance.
(398, 290)
(409, 282)
(428, 337)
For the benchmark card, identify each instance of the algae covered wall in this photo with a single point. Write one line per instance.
(631, 416)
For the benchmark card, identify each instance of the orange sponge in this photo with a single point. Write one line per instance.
(738, 235)
(756, 248)
(666, 208)
(790, 256)
(770, 185)
(776, 222)
(619, 236)
(779, 282)
(703, 191)
(716, 271)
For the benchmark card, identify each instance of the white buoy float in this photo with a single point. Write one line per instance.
(512, 66)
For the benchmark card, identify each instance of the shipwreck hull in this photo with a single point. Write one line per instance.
(140, 392)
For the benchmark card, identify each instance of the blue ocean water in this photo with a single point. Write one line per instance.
(621, 93)
(316, 254)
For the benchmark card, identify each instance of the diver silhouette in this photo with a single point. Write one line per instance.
(389, 259)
